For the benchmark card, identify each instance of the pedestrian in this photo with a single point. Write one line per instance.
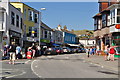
(18, 52)
(33, 51)
(5, 52)
(88, 52)
(94, 50)
(106, 51)
(12, 50)
(91, 50)
(98, 50)
(112, 53)
(38, 50)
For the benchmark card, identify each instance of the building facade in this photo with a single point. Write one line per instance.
(11, 24)
(46, 35)
(31, 23)
(105, 22)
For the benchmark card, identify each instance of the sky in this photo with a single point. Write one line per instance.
(75, 15)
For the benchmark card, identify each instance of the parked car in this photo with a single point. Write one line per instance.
(117, 51)
(59, 50)
(49, 51)
(73, 50)
(66, 50)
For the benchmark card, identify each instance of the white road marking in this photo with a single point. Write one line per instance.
(33, 69)
(91, 63)
(27, 61)
(10, 76)
(102, 66)
(36, 66)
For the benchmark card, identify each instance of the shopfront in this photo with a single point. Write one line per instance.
(15, 37)
(45, 42)
(116, 39)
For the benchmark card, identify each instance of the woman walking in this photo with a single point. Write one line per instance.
(112, 52)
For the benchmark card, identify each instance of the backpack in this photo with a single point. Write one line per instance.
(112, 51)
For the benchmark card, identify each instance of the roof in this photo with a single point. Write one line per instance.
(26, 5)
(97, 15)
(100, 14)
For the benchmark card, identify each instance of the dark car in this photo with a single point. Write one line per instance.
(73, 50)
(49, 51)
(59, 50)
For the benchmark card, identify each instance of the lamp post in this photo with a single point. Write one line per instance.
(40, 22)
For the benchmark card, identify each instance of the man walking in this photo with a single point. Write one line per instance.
(18, 52)
(12, 50)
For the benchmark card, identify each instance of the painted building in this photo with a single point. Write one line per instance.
(107, 24)
(2, 25)
(58, 36)
(46, 35)
(11, 24)
(31, 22)
(69, 38)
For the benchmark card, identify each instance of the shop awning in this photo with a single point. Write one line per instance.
(56, 45)
(74, 45)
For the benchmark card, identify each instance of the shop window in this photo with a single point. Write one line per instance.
(118, 15)
(17, 20)
(12, 18)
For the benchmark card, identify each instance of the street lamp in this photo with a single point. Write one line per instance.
(40, 22)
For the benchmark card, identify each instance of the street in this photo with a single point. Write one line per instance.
(56, 66)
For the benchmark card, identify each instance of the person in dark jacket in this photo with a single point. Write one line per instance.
(12, 50)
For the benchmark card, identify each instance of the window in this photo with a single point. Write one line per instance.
(35, 29)
(112, 17)
(36, 18)
(30, 15)
(12, 18)
(95, 24)
(45, 34)
(50, 35)
(17, 20)
(21, 23)
(30, 32)
(24, 13)
(118, 15)
(104, 20)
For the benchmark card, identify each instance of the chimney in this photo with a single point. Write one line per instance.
(65, 27)
(72, 30)
(59, 27)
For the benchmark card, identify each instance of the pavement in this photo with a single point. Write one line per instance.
(100, 61)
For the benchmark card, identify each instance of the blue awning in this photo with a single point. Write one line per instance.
(55, 44)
